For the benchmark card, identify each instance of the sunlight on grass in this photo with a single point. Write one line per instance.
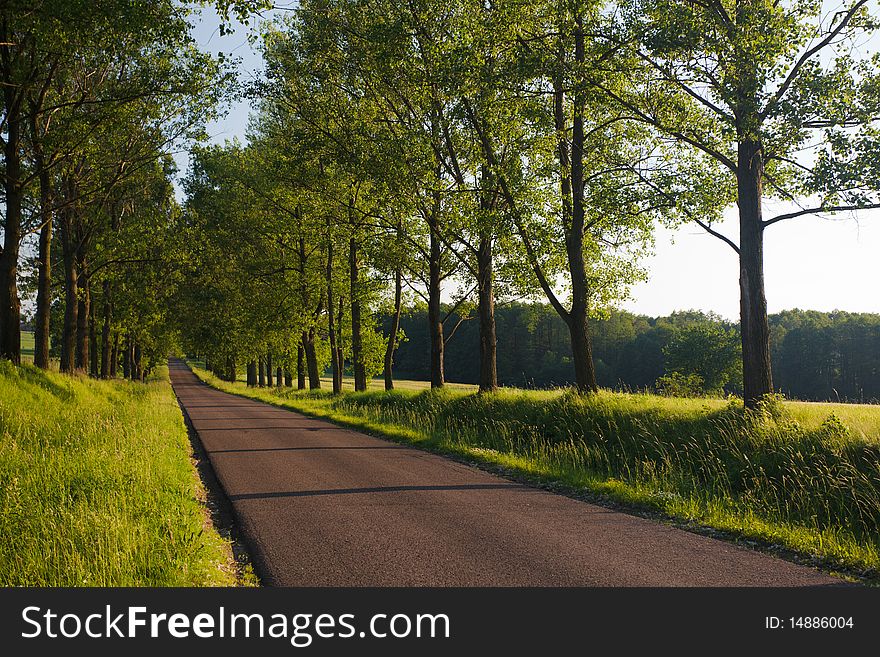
(97, 486)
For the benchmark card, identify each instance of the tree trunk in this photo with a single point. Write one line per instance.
(357, 355)
(71, 304)
(269, 381)
(44, 292)
(288, 379)
(252, 374)
(127, 358)
(278, 376)
(339, 355)
(137, 372)
(395, 327)
(578, 317)
(335, 365)
(105, 332)
(312, 359)
(486, 311)
(93, 344)
(231, 373)
(582, 350)
(82, 326)
(10, 309)
(754, 326)
(261, 376)
(307, 341)
(114, 356)
(435, 320)
(301, 366)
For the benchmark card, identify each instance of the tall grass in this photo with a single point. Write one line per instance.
(790, 475)
(97, 486)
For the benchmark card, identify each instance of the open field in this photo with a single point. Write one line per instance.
(98, 487)
(27, 345)
(803, 477)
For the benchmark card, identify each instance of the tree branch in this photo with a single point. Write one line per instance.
(819, 210)
(793, 73)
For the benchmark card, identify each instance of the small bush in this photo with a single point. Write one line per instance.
(676, 384)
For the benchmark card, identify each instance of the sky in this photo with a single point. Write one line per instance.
(816, 263)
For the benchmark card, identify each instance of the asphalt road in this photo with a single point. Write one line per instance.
(325, 506)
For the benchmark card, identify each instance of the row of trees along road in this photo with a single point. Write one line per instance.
(417, 150)
(514, 148)
(96, 95)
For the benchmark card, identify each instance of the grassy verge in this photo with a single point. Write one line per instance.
(795, 477)
(98, 487)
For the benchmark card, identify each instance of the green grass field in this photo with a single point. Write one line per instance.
(27, 345)
(799, 476)
(98, 486)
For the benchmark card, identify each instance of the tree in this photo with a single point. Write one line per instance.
(94, 91)
(708, 351)
(544, 125)
(774, 98)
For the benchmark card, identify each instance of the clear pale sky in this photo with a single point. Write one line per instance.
(810, 262)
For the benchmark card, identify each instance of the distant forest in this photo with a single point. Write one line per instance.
(816, 356)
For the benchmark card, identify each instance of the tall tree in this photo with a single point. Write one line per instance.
(775, 96)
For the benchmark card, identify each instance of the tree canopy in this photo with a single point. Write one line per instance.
(438, 159)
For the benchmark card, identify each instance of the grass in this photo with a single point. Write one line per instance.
(801, 477)
(27, 345)
(98, 486)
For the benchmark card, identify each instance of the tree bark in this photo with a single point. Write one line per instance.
(335, 365)
(269, 381)
(357, 355)
(71, 304)
(435, 320)
(252, 374)
(105, 332)
(312, 359)
(578, 318)
(261, 373)
(340, 351)
(10, 309)
(395, 327)
(93, 343)
(127, 358)
(137, 372)
(754, 326)
(288, 379)
(44, 282)
(486, 311)
(301, 365)
(307, 341)
(82, 325)
(278, 377)
(114, 356)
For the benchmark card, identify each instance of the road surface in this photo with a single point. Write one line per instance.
(321, 505)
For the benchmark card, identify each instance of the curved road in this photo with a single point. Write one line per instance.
(325, 506)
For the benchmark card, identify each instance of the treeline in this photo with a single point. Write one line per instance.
(96, 96)
(428, 150)
(817, 356)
